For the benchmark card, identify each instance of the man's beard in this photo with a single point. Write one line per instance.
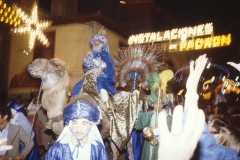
(97, 48)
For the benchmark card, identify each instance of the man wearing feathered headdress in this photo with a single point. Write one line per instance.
(80, 138)
(98, 61)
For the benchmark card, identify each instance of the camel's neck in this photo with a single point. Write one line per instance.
(55, 99)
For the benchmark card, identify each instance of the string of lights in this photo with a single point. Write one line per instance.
(8, 15)
(223, 68)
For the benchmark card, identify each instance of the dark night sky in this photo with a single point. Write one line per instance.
(139, 16)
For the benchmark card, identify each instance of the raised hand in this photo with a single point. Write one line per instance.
(181, 142)
(235, 65)
(191, 97)
(195, 73)
(4, 147)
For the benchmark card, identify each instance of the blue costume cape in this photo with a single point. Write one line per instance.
(104, 81)
(59, 151)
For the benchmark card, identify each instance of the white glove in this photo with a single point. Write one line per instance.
(104, 95)
(96, 62)
(103, 65)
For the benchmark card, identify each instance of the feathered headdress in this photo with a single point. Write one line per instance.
(137, 62)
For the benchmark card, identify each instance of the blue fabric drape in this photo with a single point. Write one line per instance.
(106, 80)
(60, 151)
(34, 153)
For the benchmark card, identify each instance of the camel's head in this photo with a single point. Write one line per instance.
(48, 70)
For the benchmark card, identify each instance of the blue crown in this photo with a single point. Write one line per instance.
(81, 109)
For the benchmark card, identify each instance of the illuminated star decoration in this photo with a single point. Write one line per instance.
(32, 26)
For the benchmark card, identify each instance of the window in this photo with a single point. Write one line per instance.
(41, 51)
(45, 4)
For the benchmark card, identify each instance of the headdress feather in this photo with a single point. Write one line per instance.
(138, 61)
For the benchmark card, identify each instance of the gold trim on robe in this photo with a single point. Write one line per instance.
(123, 111)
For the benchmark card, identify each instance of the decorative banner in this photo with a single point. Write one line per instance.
(8, 15)
(230, 86)
(205, 84)
(32, 26)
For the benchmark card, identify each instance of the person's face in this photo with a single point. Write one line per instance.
(167, 110)
(3, 122)
(97, 43)
(210, 127)
(97, 46)
(81, 127)
(155, 106)
(209, 108)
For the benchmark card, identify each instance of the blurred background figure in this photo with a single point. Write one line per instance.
(229, 137)
(32, 114)
(209, 113)
(18, 118)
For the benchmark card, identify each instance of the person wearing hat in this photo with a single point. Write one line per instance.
(80, 138)
(98, 61)
(18, 118)
(15, 135)
(147, 122)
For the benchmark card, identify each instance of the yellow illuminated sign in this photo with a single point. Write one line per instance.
(183, 39)
(201, 43)
(177, 33)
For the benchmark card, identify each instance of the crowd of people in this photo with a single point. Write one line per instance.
(21, 126)
(181, 132)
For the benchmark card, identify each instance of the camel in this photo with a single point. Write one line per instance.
(55, 79)
(119, 114)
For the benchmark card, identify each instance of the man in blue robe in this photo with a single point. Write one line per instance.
(80, 138)
(99, 61)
